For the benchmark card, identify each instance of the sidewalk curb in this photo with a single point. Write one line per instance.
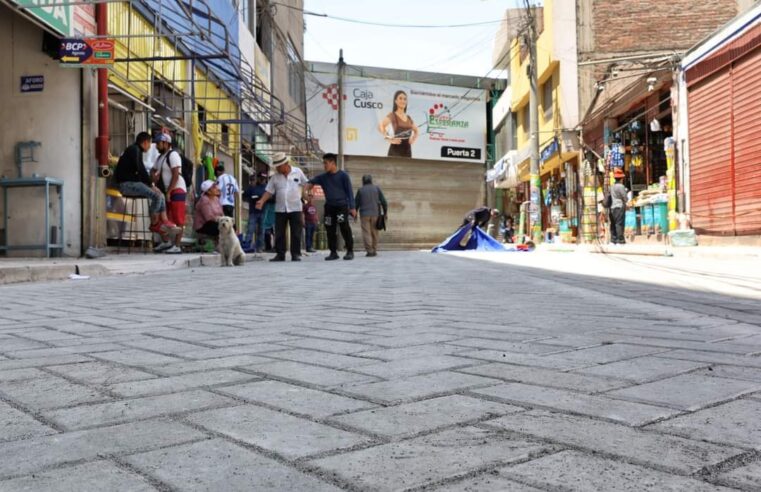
(42, 273)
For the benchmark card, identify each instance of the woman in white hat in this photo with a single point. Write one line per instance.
(207, 210)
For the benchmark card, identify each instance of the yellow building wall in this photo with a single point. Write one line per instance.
(519, 82)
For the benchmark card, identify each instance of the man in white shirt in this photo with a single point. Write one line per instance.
(228, 188)
(168, 170)
(287, 186)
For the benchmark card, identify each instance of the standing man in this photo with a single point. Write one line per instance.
(371, 204)
(228, 187)
(618, 199)
(168, 170)
(339, 205)
(133, 180)
(253, 193)
(287, 186)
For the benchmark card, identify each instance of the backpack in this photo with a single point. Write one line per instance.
(186, 171)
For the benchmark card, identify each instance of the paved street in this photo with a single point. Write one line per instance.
(545, 371)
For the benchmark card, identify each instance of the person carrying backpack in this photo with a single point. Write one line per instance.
(167, 171)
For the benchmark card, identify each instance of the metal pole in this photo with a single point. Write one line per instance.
(535, 178)
(341, 109)
(101, 141)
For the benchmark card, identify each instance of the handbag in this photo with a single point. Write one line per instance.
(380, 223)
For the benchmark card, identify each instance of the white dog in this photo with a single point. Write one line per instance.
(229, 246)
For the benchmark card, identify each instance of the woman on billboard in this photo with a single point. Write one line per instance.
(404, 130)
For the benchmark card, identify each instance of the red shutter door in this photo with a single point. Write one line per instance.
(710, 120)
(746, 106)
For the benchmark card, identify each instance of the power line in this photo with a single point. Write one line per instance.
(384, 24)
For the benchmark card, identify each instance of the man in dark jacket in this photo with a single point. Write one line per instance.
(371, 204)
(339, 205)
(480, 216)
(134, 181)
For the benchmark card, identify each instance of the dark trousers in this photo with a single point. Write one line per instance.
(338, 217)
(309, 230)
(617, 216)
(210, 228)
(293, 219)
(228, 210)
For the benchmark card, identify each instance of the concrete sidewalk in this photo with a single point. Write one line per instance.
(659, 249)
(18, 270)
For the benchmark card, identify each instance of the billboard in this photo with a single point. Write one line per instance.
(398, 118)
(52, 13)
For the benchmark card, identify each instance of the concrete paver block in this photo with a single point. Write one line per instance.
(296, 399)
(571, 470)
(97, 475)
(30, 455)
(304, 373)
(174, 384)
(545, 377)
(229, 362)
(49, 392)
(427, 459)
(736, 423)
(219, 465)
(138, 408)
(684, 456)
(413, 418)
(417, 387)
(643, 368)
(15, 424)
(288, 436)
(630, 413)
(688, 391)
(100, 373)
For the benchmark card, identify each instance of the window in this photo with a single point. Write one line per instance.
(295, 71)
(547, 99)
(526, 121)
(202, 117)
(514, 131)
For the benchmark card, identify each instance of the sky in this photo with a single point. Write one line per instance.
(462, 50)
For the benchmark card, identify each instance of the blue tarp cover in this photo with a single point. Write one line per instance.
(479, 241)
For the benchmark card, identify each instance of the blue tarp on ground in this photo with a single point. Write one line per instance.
(479, 241)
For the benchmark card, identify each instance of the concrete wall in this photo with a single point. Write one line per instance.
(51, 117)
(427, 199)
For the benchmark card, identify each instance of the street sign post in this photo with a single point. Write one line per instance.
(86, 52)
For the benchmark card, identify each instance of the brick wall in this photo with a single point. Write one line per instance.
(622, 26)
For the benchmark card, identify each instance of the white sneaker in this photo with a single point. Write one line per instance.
(174, 250)
(162, 247)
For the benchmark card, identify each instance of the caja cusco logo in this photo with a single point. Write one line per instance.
(363, 98)
(330, 94)
(439, 116)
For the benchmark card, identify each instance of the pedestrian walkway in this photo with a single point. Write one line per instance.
(403, 371)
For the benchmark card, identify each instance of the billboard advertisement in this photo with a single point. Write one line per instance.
(398, 118)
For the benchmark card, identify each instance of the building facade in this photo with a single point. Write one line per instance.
(207, 76)
(720, 119)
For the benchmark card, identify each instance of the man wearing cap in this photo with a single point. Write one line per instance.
(339, 205)
(228, 188)
(208, 210)
(167, 171)
(287, 186)
(618, 199)
(134, 181)
(253, 193)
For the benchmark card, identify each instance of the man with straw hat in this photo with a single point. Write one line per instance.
(287, 186)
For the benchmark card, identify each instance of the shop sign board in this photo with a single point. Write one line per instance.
(549, 151)
(51, 13)
(86, 52)
(32, 83)
(451, 121)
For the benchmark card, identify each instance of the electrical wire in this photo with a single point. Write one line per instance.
(384, 24)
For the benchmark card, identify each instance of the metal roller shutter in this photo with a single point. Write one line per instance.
(746, 108)
(711, 174)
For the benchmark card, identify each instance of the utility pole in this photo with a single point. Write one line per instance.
(341, 65)
(535, 207)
